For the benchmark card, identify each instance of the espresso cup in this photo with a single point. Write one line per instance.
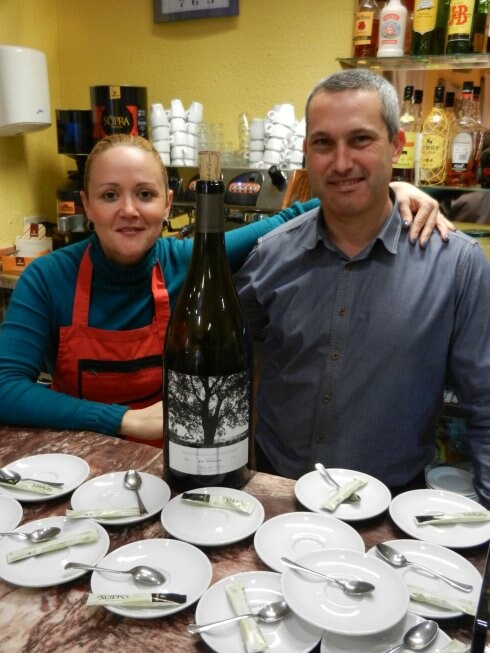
(165, 158)
(178, 125)
(158, 115)
(283, 115)
(162, 132)
(179, 138)
(273, 143)
(257, 144)
(195, 112)
(193, 128)
(255, 156)
(277, 130)
(162, 146)
(257, 127)
(177, 109)
(273, 156)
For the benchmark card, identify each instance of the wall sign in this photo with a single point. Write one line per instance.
(165, 11)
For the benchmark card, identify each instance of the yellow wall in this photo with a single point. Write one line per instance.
(272, 52)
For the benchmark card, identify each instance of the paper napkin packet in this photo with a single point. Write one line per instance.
(252, 637)
(340, 495)
(86, 537)
(38, 487)
(420, 595)
(142, 600)
(217, 501)
(103, 513)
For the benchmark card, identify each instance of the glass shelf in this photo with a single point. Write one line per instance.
(429, 62)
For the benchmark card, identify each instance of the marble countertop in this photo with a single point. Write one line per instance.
(56, 620)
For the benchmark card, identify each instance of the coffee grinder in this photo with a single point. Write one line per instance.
(74, 131)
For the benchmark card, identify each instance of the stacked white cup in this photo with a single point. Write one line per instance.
(279, 128)
(160, 132)
(295, 153)
(256, 144)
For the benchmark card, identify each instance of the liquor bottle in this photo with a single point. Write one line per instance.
(480, 129)
(449, 107)
(208, 358)
(478, 32)
(418, 97)
(403, 169)
(429, 27)
(462, 140)
(366, 29)
(407, 44)
(433, 152)
(392, 27)
(459, 27)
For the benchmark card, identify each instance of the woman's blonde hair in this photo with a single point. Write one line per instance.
(116, 140)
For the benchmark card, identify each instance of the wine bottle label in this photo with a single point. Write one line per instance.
(364, 28)
(460, 18)
(432, 154)
(424, 17)
(461, 152)
(407, 157)
(208, 422)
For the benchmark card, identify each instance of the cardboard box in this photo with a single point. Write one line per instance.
(16, 264)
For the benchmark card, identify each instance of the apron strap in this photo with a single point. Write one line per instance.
(81, 300)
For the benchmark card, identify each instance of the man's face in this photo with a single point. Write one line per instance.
(348, 154)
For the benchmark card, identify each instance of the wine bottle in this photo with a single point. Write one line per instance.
(208, 358)
(403, 169)
(461, 169)
(418, 97)
(478, 32)
(459, 27)
(433, 154)
(429, 27)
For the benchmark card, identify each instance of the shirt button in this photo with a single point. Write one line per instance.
(335, 356)
(319, 439)
(326, 399)
(348, 267)
(342, 311)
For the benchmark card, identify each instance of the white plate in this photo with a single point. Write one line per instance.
(187, 571)
(294, 534)
(324, 604)
(380, 642)
(10, 513)
(48, 569)
(290, 635)
(58, 467)
(451, 479)
(439, 559)
(405, 506)
(211, 526)
(312, 491)
(108, 492)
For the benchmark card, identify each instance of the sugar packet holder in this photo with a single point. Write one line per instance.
(37, 487)
(219, 501)
(86, 537)
(420, 595)
(141, 600)
(453, 518)
(340, 495)
(102, 513)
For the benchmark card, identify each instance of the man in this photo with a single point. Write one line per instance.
(362, 328)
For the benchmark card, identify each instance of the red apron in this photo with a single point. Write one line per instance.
(113, 367)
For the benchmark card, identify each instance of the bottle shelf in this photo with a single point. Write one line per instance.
(429, 62)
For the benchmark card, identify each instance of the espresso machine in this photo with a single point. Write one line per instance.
(251, 194)
(74, 132)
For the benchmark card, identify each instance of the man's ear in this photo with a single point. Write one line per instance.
(399, 141)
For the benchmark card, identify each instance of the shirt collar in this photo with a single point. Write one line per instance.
(388, 235)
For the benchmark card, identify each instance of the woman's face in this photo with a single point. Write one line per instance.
(127, 202)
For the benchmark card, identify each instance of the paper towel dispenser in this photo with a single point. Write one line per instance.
(24, 90)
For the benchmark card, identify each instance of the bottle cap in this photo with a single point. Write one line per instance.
(408, 92)
(418, 96)
(209, 165)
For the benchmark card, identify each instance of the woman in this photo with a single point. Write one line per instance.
(94, 313)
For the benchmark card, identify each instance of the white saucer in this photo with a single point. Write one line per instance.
(187, 571)
(439, 559)
(405, 506)
(294, 534)
(205, 526)
(108, 492)
(312, 492)
(10, 513)
(61, 467)
(48, 569)
(451, 479)
(324, 604)
(290, 635)
(380, 642)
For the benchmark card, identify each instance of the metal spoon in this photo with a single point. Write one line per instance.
(397, 559)
(268, 613)
(133, 481)
(12, 477)
(418, 637)
(141, 573)
(321, 469)
(349, 586)
(39, 535)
